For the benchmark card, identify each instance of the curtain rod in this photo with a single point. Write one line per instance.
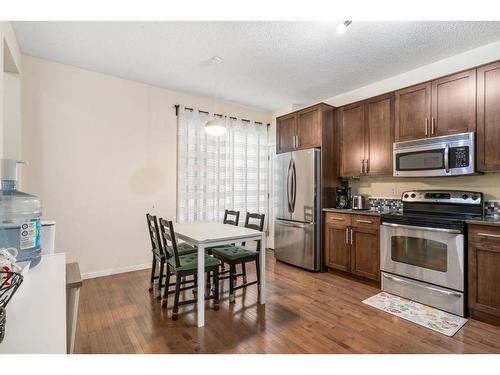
(177, 106)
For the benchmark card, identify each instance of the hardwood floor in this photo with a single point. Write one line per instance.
(305, 313)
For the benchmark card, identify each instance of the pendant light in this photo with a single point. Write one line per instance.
(215, 126)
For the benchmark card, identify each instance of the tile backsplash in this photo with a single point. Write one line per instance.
(385, 204)
(492, 208)
(379, 204)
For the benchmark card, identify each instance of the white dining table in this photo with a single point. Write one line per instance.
(209, 234)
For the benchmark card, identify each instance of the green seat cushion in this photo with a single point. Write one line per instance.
(190, 262)
(182, 248)
(185, 248)
(234, 252)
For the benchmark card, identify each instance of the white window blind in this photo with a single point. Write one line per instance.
(218, 173)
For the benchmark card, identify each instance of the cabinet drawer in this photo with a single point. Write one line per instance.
(484, 234)
(365, 221)
(340, 219)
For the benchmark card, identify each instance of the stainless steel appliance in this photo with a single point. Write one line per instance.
(359, 202)
(297, 212)
(423, 250)
(343, 197)
(449, 155)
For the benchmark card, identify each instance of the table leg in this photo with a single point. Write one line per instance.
(262, 291)
(201, 285)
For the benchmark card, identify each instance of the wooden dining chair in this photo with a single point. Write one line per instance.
(234, 255)
(182, 266)
(157, 250)
(159, 255)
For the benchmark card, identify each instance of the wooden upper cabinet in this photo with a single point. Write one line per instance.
(454, 104)
(379, 125)
(309, 128)
(303, 129)
(488, 118)
(352, 127)
(413, 112)
(286, 131)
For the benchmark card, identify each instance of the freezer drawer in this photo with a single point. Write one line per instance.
(432, 295)
(295, 243)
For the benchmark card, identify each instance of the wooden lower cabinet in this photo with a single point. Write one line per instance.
(352, 244)
(484, 275)
(337, 254)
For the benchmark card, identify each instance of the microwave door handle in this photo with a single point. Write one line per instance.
(447, 158)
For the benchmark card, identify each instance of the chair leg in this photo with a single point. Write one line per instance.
(216, 288)
(244, 272)
(208, 286)
(257, 265)
(231, 283)
(176, 298)
(164, 302)
(153, 271)
(160, 277)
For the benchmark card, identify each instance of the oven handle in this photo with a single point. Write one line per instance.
(447, 292)
(455, 231)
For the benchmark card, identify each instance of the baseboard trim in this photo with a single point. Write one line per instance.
(115, 271)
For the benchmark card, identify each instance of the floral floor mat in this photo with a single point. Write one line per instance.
(426, 316)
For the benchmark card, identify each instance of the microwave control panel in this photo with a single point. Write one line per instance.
(459, 157)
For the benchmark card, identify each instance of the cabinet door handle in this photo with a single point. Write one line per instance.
(426, 126)
(433, 125)
(362, 166)
(347, 236)
(365, 221)
(489, 235)
(337, 218)
(298, 141)
(366, 166)
(351, 236)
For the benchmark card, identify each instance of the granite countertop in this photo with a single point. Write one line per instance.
(351, 211)
(485, 220)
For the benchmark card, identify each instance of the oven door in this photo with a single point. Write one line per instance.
(422, 161)
(433, 255)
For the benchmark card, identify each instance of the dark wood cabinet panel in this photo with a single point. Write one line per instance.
(365, 254)
(413, 112)
(484, 278)
(286, 130)
(352, 140)
(352, 244)
(309, 128)
(337, 252)
(379, 125)
(488, 118)
(454, 104)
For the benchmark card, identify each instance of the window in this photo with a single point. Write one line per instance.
(215, 173)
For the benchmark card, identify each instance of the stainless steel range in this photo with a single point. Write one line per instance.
(423, 249)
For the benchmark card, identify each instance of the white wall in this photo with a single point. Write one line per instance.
(9, 51)
(102, 153)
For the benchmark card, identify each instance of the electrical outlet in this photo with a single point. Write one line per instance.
(394, 191)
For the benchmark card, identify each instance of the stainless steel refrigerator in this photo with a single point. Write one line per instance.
(297, 208)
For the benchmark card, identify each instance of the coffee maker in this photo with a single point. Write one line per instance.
(343, 197)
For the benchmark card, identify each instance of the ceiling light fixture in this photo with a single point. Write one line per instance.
(215, 126)
(342, 27)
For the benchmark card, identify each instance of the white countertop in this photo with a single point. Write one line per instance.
(36, 315)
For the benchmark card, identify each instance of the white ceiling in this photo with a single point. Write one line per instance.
(268, 65)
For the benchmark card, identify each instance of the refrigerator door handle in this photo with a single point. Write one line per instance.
(289, 186)
(294, 185)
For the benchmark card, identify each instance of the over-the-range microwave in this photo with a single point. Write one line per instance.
(448, 155)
